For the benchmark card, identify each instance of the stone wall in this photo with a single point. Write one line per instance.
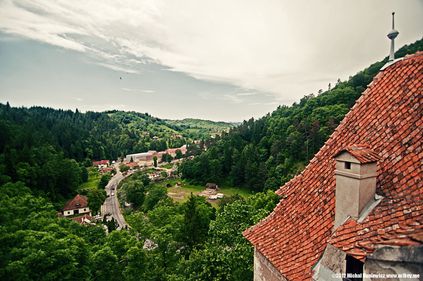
(264, 270)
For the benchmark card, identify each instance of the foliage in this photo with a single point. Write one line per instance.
(197, 216)
(135, 192)
(167, 157)
(104, 180)
(123, 168)
(200, 129)
(96, 198)
(35, 244)
(154, 195)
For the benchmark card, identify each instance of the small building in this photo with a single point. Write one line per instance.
(211, 185)
(78, 205)
(101, 164)
(132, 165)
(106, 170)
(141, 157)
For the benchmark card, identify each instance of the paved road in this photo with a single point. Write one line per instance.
(111, 204)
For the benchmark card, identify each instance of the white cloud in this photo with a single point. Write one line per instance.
(117, 67)
(138, 90)
(287, 48)
(148, 91)
(244, 94)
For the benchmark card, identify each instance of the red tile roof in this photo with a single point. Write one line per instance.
(362, 153)
(78, 202)
(101, 162)
(388, 118)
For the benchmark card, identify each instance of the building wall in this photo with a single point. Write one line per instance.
(85, 210)
(397, 261)
(264, 270)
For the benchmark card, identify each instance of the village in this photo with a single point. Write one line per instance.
(161, 168)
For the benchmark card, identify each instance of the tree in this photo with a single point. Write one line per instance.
(84, 174)
(179, 154)
(96, 198)
(104, 265)
(167, 158)
(197, 216)
(154, 195)
(110, 224)
(155, 161)
(123, 168)
(104, 180)
(135, 268)
(135, 192)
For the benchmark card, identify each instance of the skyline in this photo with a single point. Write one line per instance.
(218, 61)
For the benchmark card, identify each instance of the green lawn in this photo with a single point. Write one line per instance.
(93, 179)
(181, 194)
(167, 166)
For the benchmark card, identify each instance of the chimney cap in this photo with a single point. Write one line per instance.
(363, 153)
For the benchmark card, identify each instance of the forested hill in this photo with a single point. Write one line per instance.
(265, 153)
(198, 127)
(96, 135)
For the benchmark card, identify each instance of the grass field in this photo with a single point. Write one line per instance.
(93, 179)
(181, 194)
(167, 166)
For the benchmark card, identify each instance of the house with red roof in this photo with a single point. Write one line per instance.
(76, 206)
(355, 212)
(101, 164)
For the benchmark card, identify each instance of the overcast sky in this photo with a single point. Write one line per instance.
(218, 60)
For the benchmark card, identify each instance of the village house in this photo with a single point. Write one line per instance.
(356, 209)
(132, 165)
(101, 164)
(106, 170)
(76, 206)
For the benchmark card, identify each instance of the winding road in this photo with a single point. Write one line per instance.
(111, 204)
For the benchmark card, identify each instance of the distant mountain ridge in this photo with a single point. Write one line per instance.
(199, 127)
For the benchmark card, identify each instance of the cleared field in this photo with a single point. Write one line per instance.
(182, 192)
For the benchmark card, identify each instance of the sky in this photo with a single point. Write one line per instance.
(216, 60)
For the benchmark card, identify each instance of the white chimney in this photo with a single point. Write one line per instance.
(355, 173)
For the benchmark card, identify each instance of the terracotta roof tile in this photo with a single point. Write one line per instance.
(363, 153)
(101, 162)
(387, 119)
(78, 202)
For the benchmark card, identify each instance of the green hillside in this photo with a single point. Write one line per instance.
(198, 128)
